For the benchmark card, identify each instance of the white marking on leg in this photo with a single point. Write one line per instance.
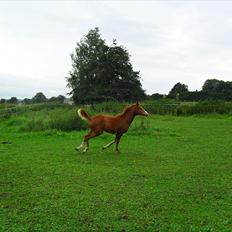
(107, 145)
(79, 147)
(85, 147)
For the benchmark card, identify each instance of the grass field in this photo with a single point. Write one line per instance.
(174, 174)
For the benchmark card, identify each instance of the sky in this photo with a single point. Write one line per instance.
(169, 41)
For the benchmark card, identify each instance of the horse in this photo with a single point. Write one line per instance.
(117, 125)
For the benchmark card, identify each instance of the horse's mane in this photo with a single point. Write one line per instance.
(125, 110)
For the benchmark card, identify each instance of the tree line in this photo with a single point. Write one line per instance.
(38, 98)
(212, 89)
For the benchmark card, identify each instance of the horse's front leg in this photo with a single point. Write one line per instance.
(117, 140)
(108, 145)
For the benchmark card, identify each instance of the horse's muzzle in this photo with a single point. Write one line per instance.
(146, 113)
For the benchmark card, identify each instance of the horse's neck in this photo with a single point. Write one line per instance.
(129, 116)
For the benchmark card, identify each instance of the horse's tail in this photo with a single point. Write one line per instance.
(83, 114)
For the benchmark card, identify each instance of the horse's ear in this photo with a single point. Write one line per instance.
(137, 103)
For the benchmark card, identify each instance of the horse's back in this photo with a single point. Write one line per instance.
(106, 123)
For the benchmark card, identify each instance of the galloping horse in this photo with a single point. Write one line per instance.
(117, 125)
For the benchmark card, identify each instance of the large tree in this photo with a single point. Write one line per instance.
(101, 72)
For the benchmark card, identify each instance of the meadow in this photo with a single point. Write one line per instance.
(173, 174)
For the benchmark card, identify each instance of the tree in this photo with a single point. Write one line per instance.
(59, 99)
(214, 89)
(26, 101)
(39, 98)
(177, 90)
(192, 96)
(212, 85)
(12, 100)
(101, 72)
(2, 101)
(156, 96)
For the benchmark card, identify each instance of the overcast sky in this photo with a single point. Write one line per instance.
(169, 41)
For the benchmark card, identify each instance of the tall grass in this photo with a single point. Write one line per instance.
(64, 119)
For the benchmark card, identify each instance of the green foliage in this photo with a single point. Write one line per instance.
(206, 107)
(177, 90)
(101, 72)
(66, 120)
(2, 100)
(59, 99)
(44, 117)
(12, 100)
(27, 101)
(36, 122)
(185, 108)
(212, 90)
(39, 98)
(155, 96)
(108, 107)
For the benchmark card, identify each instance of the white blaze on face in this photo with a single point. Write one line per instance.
(144, 111)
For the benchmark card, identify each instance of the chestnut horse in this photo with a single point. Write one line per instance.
(117, 125)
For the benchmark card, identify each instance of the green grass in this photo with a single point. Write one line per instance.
(173, 174)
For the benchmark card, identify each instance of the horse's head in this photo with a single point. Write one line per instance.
(139, 110)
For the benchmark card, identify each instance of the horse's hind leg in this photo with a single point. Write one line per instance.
(90, 135)
(79, 147)
(85, 144)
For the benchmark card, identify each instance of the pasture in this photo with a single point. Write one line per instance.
(172, 174)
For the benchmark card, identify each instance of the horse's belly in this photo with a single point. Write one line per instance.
(110, 126)
(110, 130)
